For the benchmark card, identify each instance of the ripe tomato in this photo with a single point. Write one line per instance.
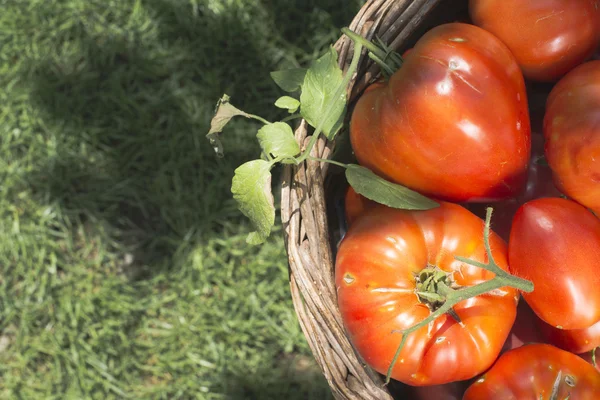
(574, 340)
(572, 132)
(452, 122)
(530, 373)
(539, 184)
(555, 243)
(381, 263)
(547, 37)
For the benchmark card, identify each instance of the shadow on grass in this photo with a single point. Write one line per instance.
(133, 106)
(295, 377)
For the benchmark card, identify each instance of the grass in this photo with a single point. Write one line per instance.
(124, 271)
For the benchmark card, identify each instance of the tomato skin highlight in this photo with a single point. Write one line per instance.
(529, 373)
(375, 273)
(572, 133)
(547, 37)
(555, 243)
(452, 122)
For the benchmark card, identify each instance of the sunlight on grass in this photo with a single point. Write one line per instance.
(124, 271)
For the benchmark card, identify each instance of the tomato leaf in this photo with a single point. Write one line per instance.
(277, 139)
(223, 114)
(375, 188)
(251, 188)
(289, 80)
(320, 85)
(288, 103)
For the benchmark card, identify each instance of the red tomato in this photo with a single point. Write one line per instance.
(539, 184)
(452, 122)
(555, 243)
(380, 262)
(530, 372)
(547, 37)
(355, 205)
(572, 132)
(574, 340)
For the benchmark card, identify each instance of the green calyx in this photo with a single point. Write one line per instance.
(432, 286)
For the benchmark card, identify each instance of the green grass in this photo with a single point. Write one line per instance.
(124, 271)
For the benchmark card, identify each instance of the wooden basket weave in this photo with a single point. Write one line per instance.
(308, 229)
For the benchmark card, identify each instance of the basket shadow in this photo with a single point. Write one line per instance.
(144, 171)
(292, 377)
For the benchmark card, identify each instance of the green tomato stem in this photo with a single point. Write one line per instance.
(291, 117)
(339, 164)
(258, 118)
(380, 56)
(455, 296)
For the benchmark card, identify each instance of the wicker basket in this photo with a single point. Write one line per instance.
(308, 214)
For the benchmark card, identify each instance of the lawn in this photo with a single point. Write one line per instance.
(124, 271)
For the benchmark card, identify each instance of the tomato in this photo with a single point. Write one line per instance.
(530, 372)
(355, 205)
(555, 243)
(574, 340)
(572, 132)
(452, 122)
(539, 184)
(547, 37)
(379, 264)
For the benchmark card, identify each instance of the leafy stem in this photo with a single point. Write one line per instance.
(322, 103)
(338, 92)
(450, 297)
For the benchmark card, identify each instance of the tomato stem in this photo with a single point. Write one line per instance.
(386, 58)
(455, 296)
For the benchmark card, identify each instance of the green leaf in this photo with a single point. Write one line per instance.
(251, 188)
(223, 114)
(373, 187)
(277, 139)
(318, 90)
(289, 80)
(288, 103)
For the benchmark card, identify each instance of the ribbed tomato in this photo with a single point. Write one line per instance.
(386, 257)
(572, 132)
(547, 37)
(534, 372)
(452, 122)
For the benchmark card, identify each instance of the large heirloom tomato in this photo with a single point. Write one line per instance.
(555, 243)
(452, 122)
(572, 133)
(534, 372)
(386, 257)
(547, 37)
